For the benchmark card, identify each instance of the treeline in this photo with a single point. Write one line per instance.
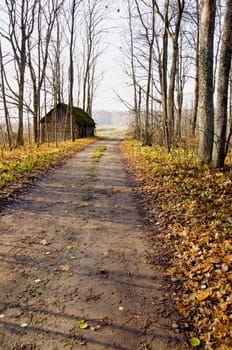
(169, 43)
(49, 51)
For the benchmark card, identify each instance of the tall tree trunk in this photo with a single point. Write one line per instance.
(172, 75)
(206, 88)
(179, 93)
(38, 71)
(20, 137)
(21, 25)
(6, 112)
(196, 89)
(71, 69)
(164, 79)
(149, 37)
(133, 73)
(220, 123)
(147, 131)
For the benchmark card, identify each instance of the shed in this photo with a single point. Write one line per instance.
(55, 125)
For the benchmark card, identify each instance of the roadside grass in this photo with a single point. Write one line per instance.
(19, 166)
(189, 207)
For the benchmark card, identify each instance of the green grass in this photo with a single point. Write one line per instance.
(26, 162)
(95, 158)
(98, 153)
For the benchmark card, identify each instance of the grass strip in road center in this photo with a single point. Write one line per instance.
(95, 159)
(98, 153)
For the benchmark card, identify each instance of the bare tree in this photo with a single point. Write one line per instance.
(196, 91)
(220, 122)
(136, 88)
(6, 111)
(181, 69)
(206, 88)
(94, 15)
(71, 69)
(179, 8)
(164, 65)
(45, 20)
(21, 25)
(149, 33)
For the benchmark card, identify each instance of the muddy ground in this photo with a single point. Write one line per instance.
(73, 248)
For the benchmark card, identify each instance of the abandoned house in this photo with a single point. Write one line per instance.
(55, 125)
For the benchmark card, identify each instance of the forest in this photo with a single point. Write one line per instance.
(176, 57)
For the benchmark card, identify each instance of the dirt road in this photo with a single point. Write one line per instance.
(73, 255)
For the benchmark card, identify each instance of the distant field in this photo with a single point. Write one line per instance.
(106, 130)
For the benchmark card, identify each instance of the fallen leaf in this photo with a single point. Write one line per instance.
(23, 325)
(65, 267)
(225, 268)
(223, 347)
(203, 295)
(194, 341)
(223, 292)
(83, 324)
(52, 256)
(44, 242)
(175, 325)
(192, 297)
(223, 306)
(69, 247)
(39, 319)
(228, 258)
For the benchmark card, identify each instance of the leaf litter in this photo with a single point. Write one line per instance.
(192, 205)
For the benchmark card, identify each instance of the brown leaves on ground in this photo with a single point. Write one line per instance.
(190, 208)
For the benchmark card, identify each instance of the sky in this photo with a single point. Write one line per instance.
(110, 62)
(114, 78)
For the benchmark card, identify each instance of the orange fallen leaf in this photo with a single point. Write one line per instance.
(203, 295)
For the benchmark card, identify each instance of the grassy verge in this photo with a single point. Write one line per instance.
(190, 208)
(18, 167)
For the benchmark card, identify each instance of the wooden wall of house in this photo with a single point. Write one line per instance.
(55, 129)
(59, 130)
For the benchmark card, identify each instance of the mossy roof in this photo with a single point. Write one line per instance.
(83, 118)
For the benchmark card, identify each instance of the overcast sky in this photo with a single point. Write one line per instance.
(110, 62)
